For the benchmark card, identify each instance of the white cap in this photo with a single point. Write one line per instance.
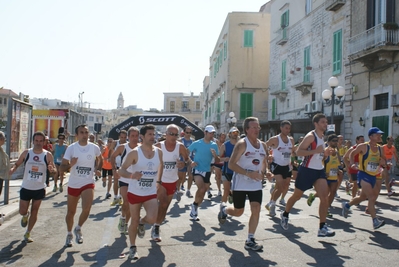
(234, 129)
(210, 129)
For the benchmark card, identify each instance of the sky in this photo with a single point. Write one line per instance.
(59, 49)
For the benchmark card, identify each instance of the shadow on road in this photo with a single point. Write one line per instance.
(54, 260)
(11, 254)
(196, 235)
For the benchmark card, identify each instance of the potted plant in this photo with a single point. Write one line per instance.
(390, 26)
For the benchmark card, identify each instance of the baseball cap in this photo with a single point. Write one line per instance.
(234, 129)
(374, 130)
(210, 129)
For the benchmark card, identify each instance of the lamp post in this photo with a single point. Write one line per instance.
(232, 119)
(328, 94)
(81, 101)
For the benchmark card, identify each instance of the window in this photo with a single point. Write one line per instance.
(91, 118)
(97, 119)
(380, 11)
(285, 19)
(222, 102)
(308, 7)
(1, 100)
(214, 70)
(283, 74)
(172, 106)
(218, 106)
(246, 103)
(5, 101)
(185, 105)
(273, 109)
(197, 105)
(337, 52)
(220, 60)
(225, 50)
(381, 101)
(248, 38)
(306, 62)
(91, 129)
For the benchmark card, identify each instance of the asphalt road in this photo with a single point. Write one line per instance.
(206, 243)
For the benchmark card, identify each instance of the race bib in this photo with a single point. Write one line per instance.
(169, 166)
(286, 155)
(83, 172)
(35, 175)
(145, 183)
(372, 166)
(333, 172)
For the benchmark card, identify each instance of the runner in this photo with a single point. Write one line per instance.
(144, 165)
(107, 167)
(217, 167)
(37, 161)
(353, 172)
(226, 150)
(371, 157)
(121, 141)
(390, 153)
(249, 163)
(311, 173)
(187, 141)
(204, 151)
(122, 151)
(80, 157)
(171, 152)
(282, 146)
(58, 152)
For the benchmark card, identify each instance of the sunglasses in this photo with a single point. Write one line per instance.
(61, 138)
(173, 134)
(188, 132)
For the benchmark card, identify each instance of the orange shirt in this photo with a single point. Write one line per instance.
(106, 164)
(388, 151)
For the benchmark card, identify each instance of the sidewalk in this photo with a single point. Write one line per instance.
(12, 208)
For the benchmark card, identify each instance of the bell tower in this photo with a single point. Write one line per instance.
(120, 101)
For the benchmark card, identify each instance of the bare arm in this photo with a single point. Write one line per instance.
(238, 150)
(117, 152)
(20, 160)
(302, 149)
(131, 159)
(360, 148)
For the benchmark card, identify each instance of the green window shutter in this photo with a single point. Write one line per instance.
(285, 19)
(248, 38)
(306, 62)
(273, 109)
(222, 102)
(283, 74)
(225, 50)
(337, 52)
(382, 122)
(246, 105)
(218, 105)
(221, 57)
(206, 114)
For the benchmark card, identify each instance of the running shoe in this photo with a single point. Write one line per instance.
(272, 210)
(133, 253)
(325, 232)
(114, 202)
(178, 195)
(121, 225)
(310, 199)
(391, 193)
(392, 182)
(182, 188)
(222, 214)
(282, 202)
(252, 245)
(140, 230)
(55, 188)
(79, 236)
(155, 234)
(68, 242)
(107, 195)
(209, 194)
(193, 213)
(220, 193)
(283, 221)
(120, 201)
(61, 188)
(378, 223)
(267, 206)
(27, 238)
(24, 220)
(345, 210)
(188, 194)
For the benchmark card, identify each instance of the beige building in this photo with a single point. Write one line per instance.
(186, 105)
(239, 71)
(372, 69)
(307, 47)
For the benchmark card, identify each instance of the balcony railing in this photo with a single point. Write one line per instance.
(373, 37)
(282, 36)
(334, 5)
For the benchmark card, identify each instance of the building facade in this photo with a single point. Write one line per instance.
(239, 72)
(307, 47)
(187, 105)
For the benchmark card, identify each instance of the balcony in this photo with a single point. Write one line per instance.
(280, 94)
(303, 81)
(374, 45)
(334, 5)
(282, 36)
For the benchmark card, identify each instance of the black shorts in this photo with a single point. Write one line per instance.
(28, 195)
(206, 176)
(107, 172)
(227, 177)
(217, 165)
(307, 177)
(239, 197)
(353, 177)
(122, 184)
(280, 170)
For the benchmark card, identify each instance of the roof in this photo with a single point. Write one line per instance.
(7, 92)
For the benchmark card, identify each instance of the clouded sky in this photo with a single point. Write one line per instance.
(58, 49)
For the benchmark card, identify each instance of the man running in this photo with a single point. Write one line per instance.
(121, 141)
(204, 151)
(37, 161)
(171, 152)
(217, 167)
(122, 151)
(353, 172)
(249, 163)
(282, 146)
(312, 174)
(144, 166)
(390, 153)
(107, 167)
(58, 152)
(370, 158)
(83, 158)
(187, 141)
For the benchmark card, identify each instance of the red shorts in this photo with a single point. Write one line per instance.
(135, 199)
(75, 192)
(170, 188)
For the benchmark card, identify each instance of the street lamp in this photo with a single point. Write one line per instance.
(81, 100)
(329, 95)
(232, 119)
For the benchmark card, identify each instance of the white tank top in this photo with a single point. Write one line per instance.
(82, 173)
(118, 159)
(282, 154)
(35, 171)
(169, 174)
(146, 185)
(123, 157)
(251, 160)
(314, 161)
